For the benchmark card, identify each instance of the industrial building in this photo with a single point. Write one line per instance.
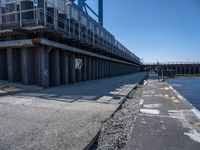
(54, 42)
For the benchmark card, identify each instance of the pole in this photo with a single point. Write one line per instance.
(101, 12)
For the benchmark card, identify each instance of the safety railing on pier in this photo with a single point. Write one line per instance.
(172, 63)
(65, 19)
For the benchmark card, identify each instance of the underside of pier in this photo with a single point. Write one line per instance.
(48, 63)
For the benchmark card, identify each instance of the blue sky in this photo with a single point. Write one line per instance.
(155, 30)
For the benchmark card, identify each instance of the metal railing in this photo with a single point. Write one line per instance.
(173, 63)
(18, 14)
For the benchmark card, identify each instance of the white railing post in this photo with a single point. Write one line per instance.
(36, 14)
(20, 14)
(69, 22)
(16, 16)
(79, 27)
(55, 18)
(45, 18)
(1, 13)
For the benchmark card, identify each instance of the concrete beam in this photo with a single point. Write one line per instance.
(45, 42)
(16, 44)
(76, 50)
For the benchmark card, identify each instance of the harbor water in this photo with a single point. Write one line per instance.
(188, 88)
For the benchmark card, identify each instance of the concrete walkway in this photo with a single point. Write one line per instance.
(166, 121)
(66, 117)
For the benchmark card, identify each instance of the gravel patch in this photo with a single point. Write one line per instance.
(115, 131)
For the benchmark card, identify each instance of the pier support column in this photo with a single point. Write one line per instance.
(96, 68)
(54, 67)
(28, 66)
(89, 73)
(112, 68)
(64, 68)
(13, 64)
(3, 65)
(93, 68)
(99, 68)
(102, 68)
(72, 74)
(44, 66)
(109, 68)
(106, 68)
(84, 69)
(78, 72)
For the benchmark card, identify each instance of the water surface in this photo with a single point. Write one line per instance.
(189, 88)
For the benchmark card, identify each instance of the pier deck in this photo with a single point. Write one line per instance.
(166, 121)
(65, 117)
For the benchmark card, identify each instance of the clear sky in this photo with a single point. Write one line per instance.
(155, 30)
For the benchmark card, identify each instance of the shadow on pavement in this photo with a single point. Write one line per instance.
(103, 90)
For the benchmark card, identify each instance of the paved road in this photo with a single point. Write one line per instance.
(165, 122)
(66, 117)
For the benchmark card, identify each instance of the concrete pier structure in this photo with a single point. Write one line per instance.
(13, 64)
(84, 69)
(89, 68)
(43, 50)
(54, 68)
(64, 67)
(72, 73)
(44, 67)
(3, 65)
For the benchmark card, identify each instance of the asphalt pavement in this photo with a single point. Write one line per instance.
(65, 117)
